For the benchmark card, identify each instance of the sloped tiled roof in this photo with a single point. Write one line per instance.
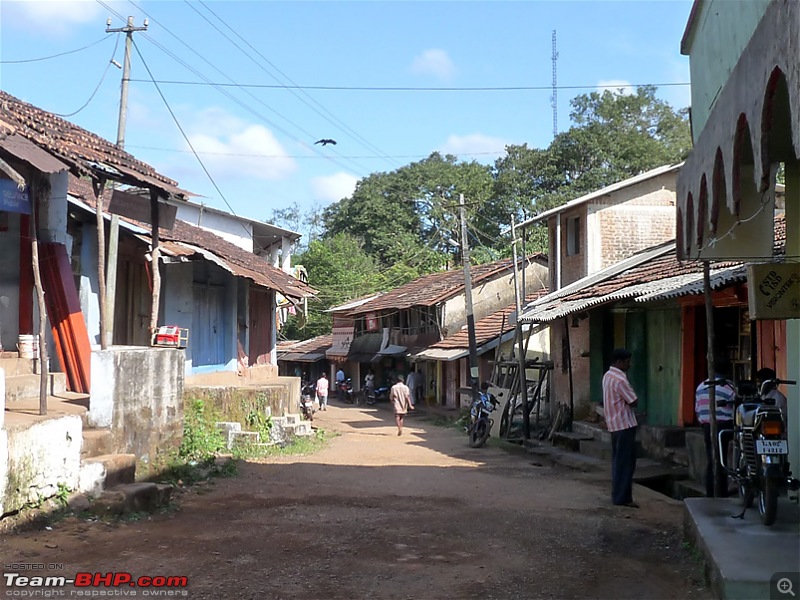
(298, 350)
(432, 289)
(488, 328)
(84, 151)
(237, 260)
(657, 278)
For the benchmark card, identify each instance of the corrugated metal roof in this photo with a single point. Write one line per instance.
(26, 151)
(655, 274)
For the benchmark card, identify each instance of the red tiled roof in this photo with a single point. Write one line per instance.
(314, 345)
(432, 289)
(487, 328)
(241, 262)
(85, 152)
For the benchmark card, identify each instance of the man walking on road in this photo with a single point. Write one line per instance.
(618, 402)
(322, 391)
(400, 397)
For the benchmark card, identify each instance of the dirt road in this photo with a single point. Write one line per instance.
(375, 515)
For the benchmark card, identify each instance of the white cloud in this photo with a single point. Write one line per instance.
(616, 86)
(53, 16)
(231, 147)
(475, 146)
(434, 62)
(334, 187)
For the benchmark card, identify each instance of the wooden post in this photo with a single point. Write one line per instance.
(712, 389)
(111, 274)
(98, 187)
(37, 279)
(155, 266)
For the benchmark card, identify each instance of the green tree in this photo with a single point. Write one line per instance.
(614, 136)
(340, 269)
(407, 215)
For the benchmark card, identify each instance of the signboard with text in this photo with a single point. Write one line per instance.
(773, 290)
(12, 199)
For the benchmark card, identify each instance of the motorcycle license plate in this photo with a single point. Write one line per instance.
(772, 447)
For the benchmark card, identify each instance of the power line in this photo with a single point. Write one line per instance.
(343, 88)
(30, 60)
(234, 99)
(102, 78)
(271, 64)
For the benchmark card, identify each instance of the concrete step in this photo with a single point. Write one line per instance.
(15, 365)
(595, 430)
(596, 449)
(686, 488)
(26, 387)
(96, 442)
(571, 440)
(106, 471)
(132, 498)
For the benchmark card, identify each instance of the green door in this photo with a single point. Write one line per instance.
(636, 342)
(663, 366)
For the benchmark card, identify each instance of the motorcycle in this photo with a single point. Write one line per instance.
(346, 390)
(480, 423)
(307, 394)
(758, 462)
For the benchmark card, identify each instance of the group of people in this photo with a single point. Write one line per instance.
(402, 395)
(619, 401)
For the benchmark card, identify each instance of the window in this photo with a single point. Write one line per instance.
(573, 236)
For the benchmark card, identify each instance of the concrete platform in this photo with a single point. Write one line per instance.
(742, 556)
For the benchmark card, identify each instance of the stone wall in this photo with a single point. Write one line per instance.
(233, 402)
(36, 458)
(138, 393)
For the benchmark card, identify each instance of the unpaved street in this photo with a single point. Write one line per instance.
(375, 515)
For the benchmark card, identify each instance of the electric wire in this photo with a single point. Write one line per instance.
(294, 86)
(354, 88)
(102, 78)
(30, 60)
(237, 101)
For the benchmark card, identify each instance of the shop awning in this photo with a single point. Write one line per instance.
(365, 347)
(393, 350)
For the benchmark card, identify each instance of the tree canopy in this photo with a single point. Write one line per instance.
(399, 225)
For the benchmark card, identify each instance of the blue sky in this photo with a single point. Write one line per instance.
(258, 142)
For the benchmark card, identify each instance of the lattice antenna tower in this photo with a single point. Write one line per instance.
(554, 97)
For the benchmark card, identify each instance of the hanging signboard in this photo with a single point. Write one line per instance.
(773, 290)
(12, 199)
(138, 208)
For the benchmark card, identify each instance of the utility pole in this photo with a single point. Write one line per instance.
(522, 375)
(126, 74)
(107, 328)
(554, 98)
(473, 350)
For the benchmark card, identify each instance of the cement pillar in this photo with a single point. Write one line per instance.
(2, 401)
(793, 325)
(286, 254)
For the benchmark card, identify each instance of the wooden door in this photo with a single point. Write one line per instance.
(207, 343)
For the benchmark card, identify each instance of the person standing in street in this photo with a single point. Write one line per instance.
(322, 391)
(618, 402)
(723, 397)
(400, 397)
(340, 377)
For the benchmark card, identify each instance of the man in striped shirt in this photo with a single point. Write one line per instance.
(618, 402)
(724, 395)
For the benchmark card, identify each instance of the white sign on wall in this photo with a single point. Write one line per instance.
(773, 290)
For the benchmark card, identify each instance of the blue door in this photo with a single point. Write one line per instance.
(208, 326)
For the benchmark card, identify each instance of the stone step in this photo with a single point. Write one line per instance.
(96, 442)
(571, 440)
(239, 438)
(106, 471)
(131, 498)
(594, 430)
(596, 449)
(26, 387)
(17, 366)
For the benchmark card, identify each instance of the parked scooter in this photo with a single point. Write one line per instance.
(307, 394)
(346, 390)
(480, 423)
(758, 462)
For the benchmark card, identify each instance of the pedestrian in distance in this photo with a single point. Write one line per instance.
(400, 397)
(340, 377)
(723, 398)
(322, 391)
(618, 402)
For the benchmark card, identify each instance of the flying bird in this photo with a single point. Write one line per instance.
(325, 141)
